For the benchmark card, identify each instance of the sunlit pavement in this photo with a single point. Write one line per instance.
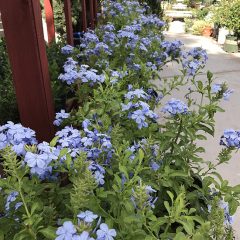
(226, 68)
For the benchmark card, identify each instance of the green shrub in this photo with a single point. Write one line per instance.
(227, 14)
(198, 26)
(8, 105)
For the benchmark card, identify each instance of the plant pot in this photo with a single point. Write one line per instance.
(223, 32)
(207, 31)
(231, 44)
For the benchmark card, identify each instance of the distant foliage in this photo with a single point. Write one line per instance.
(8, 105)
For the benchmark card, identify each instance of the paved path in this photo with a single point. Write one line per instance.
(226, 68)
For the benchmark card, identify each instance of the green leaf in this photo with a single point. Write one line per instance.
(209, 75)
(123, 169)
(141, 154)
(35, 206)
(200, 85)
(63, 152)
(188, 226)
(167, 206)
(1, 235)
(53, 142)
(236, 189)
(49, 232)
(180, 236)
(233, 205)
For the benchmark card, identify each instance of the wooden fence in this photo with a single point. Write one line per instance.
(22, 24)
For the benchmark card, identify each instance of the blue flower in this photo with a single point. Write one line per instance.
(226, 94)
(60, 116)
(87, 216)
(70, 72)
(155, 166)
(139, 117)
(16, 136)
(90, 76)
(216, 88)
(194, 60)
(104, 233)
(99, 178)
(175, 106)
(38, 163)
(98, 172)
(86, 123)
(68, 49)
(151, 200)
(66, 232)
(84, 236)
(88, 38)
(127, 34)
(11, 198)
(139, 93)
(108, 27)
(230, 138)
(228, 219)
(126, 107)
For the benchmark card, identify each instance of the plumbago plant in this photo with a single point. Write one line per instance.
(116, 169)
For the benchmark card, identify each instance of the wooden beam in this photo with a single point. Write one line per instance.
(95, 7)
(22, 22)
(92, 20)
(84, 15)
(49, 20)
(68, 18)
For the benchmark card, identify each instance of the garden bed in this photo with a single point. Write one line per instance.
(115, 170)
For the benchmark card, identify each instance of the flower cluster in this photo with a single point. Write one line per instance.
(194, 60)
(68, 49)
(93, 143)
(89, 37)
(70, 74)
(152, 20)
(175, 106)
(70, 231)
(16, 136)
(138, 111)
(172, 48)
(90, 75)
(230, 138)
(221, 88)
(60, 116)
(40, 161)
(86, 75)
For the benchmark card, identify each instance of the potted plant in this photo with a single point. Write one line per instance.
(228, 16)
(207, 31)
(202, 27)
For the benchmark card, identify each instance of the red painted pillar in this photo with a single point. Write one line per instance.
(84, 16)
(22, 22)
(92, 20)
(49, 20)
(95, 7)
(68, 18)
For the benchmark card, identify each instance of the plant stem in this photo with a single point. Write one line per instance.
(178, 134)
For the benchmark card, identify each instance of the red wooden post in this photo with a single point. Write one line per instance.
(49, 20)
(92, 20)
(22, 24)
(68, 18)
(95, 7)
(84, 16)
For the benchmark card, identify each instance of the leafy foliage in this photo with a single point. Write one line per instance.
(114, 170)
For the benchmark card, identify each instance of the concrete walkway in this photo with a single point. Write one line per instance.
(226, 68)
